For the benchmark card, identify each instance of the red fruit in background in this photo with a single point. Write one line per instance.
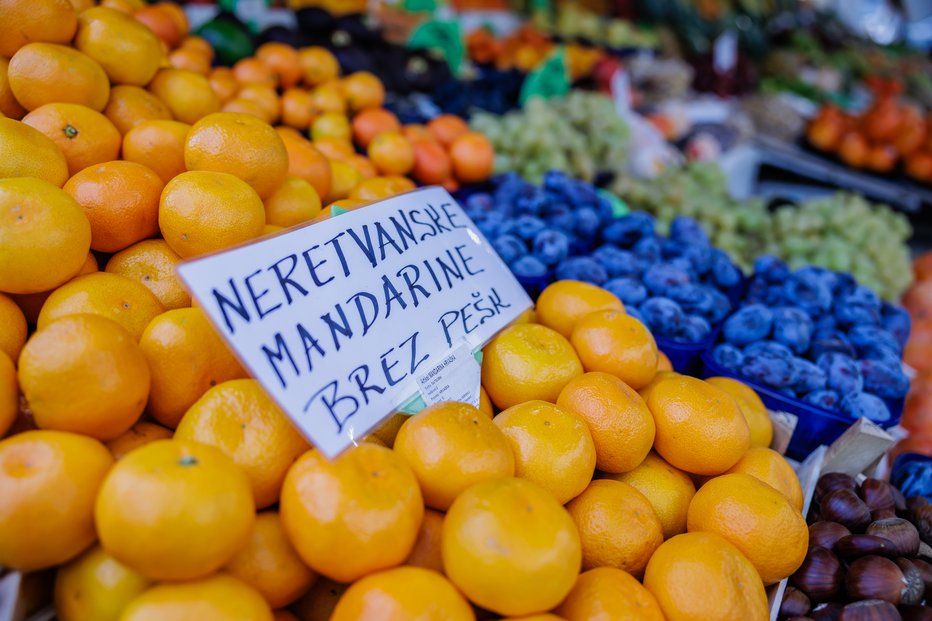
(917, 351)
(917, 414)
(915, 443)
(882, 121)
(881, 158)
(432, 165)
(161, 23)
(918, 301)
(922, 266)
(919, 165)
(910, 139)
(854, 150)
(825, 133)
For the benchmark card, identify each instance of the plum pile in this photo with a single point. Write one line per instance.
(819, 336)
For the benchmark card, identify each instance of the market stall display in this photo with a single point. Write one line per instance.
(688, 423)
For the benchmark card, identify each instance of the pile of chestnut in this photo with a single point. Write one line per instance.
(869, 555)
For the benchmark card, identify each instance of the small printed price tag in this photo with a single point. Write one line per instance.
(348, 319)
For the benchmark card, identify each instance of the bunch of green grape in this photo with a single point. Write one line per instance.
(580, 134)
(842, 232)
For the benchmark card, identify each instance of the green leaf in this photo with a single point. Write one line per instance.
(550, 80)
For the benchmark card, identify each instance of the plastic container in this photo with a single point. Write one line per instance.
(685, 357)
(815, 426)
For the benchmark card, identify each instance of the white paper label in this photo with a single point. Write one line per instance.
(455, 377)
(339, 319)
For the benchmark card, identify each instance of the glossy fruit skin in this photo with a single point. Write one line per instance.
(755, 518)
(370, 520)
(563, 303)
(219, 597)
(151, 263)
(617, 526)
(187, 94)
(473, 158)
(84, 374)
(451, 446)
(140, 434)
(668, 489)
(426, 552)
(174, 510)
(48, 480)
(53, 21)
(127, 51)
(613, 342)
(129, 106)
(95, 586)
(42, 73)
(702, 576)
(770, 467)
(9, 394)
(158, 144)
(754, 410)
(85, 136)
(499, 558)
(37, 218)
(552, 447)
(30, 153)
(402, 594)
(609, 593)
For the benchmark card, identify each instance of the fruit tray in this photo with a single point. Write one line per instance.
(815, 426)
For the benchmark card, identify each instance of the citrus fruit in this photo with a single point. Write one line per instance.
(31, 303)
(754, 410)
(552, 447)
(615, 343)
(265, 97)
(563, 303)
(253, 71)
(295, 201)
(376, 188)
(174, 510)
(318, 603)
(9, 107)
(187, 94)
(27, 152)
(205, 211)
(129, 106)
(668, 489)
(42, 73)
(160, 22)
(283, 60)
(191, 60)
(756, 518)
(239, 418)
(296, 108)
(306, 162)
(699, 427)
(451, 446)
(503, 539)
(525, 362)
(370, 519)
(403, 594)
(140, 434)
(9, 393)
(318, 65)
(328, 98)
(95, 587)
(84, 374)
(37, 221)
(85, 137)
(417, 131)
(120, 200)
(446, 128)
(343, 178)
(609, 594)
(769, 466)
(371, 122)
(473, 157)
(269, 564)
(187, 357)
(391, 153)
(663, 362)
(426, 552)
(159, 145)
(48, 481)
(617, 526)
(431, 163)
(220, 597)
(127, 51)
(363, 166)
(485, 404)
(702, 577)
(121, 299)
(152, 262)
(621, 425)
(223, 82)
(331, 125)
(363, 90)
(240, 145)
(21, 22)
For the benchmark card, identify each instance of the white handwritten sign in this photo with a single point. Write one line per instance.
(341, 319)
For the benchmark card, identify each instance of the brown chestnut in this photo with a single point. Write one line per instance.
(844, 506)
(827, 612)
(882, 514)
(921, 517)
(916, 501)
(915, 585)
(825, 534)
(899, 500)
(915, 613)
(870, 610)
(833, 481)
(901, 534)
(856, 546)
(877, 494)
(820, 576)
(795, 603)
(925, 570)
(875, 577)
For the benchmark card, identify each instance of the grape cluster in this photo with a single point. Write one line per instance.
(842, 232)
(563, 229)
(580, 135)
(819, 336)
